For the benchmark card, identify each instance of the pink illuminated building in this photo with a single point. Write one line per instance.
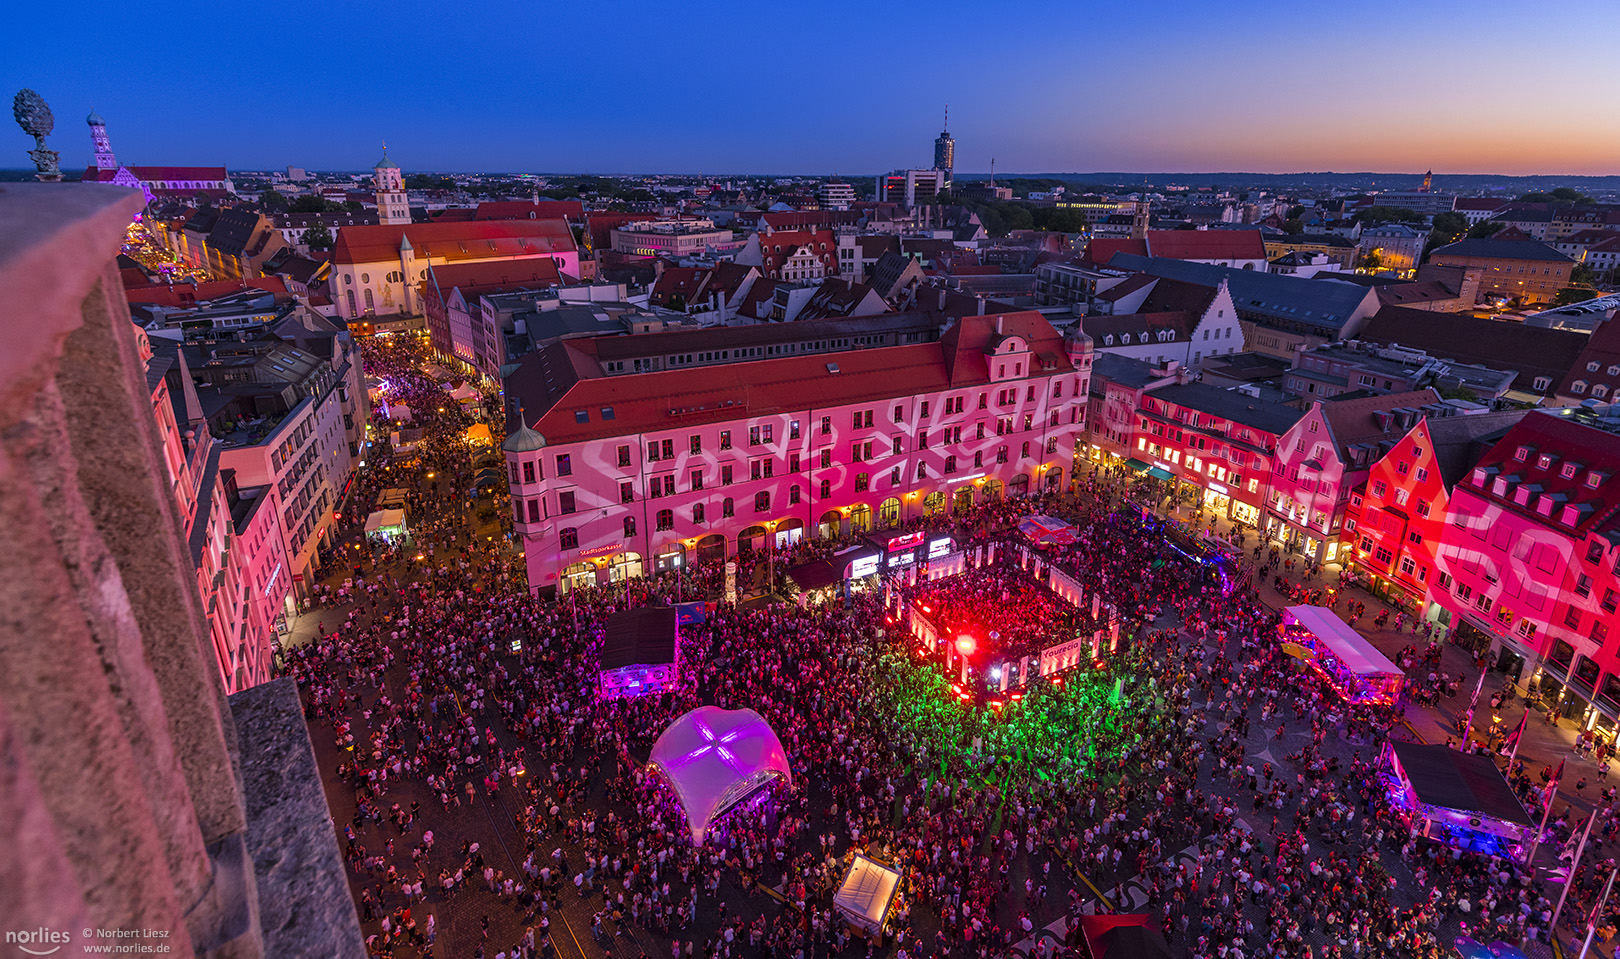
(614, 475)
(1530, 556)
(239, 625)
(1327, 454)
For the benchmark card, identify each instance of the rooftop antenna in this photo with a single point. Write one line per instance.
(947, 117)
(992, 173)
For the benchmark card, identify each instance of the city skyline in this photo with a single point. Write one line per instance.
(1178, 88)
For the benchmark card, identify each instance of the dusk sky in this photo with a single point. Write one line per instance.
(832, 88)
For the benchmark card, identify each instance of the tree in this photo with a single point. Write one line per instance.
(1064, 221)
(271, 200)
(1483, 229)
(1388, 214)
(1297, 211)
(309, 204)
(318, 237)
(1292, 226)
(1448, 226)
(1573, 294)
(1371, 260)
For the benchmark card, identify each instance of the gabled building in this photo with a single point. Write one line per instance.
(1530, 556)
(1396, 520)
(1596, 373)
(380, 269)
(1239, 249)
(1325, 455)
(1523, 270)
(454, 317)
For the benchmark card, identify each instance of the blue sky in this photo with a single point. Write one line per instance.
(848, 88)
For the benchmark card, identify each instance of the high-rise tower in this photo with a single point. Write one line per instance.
(98, 138)
(945, 147)
(392, 207)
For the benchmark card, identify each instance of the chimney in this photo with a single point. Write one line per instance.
(998, 317)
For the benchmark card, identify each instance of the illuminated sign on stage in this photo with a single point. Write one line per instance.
(939, 547)
(907, 541)
(865, 566)
(903, 559)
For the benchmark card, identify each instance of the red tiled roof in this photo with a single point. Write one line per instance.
(184, 294)
(1102, 249)
(493, 276)
(1557, 435)
(676, 399)
(529, 210)
(484, 240)
(1207, 244)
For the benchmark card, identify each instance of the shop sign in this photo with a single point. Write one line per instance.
(939, 547)
(1297, 651)
(1218, 488)
(600, 550)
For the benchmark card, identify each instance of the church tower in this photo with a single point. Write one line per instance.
(1428, 181)
(98, 138)
(392, 207)
(1141, 217)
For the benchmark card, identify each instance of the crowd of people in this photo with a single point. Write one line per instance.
(484, 794)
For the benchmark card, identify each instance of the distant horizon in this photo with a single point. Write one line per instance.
(1176, 86)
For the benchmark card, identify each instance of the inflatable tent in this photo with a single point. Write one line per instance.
(714, 758)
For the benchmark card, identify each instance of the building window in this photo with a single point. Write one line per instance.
(725, 439)
(624, 456)
(627, 492)
(950, 465)
(528, 472)
(727, 508)
(793, 494)
(826, 459)
(862, 482)
(762, 501)
(568, 538)
(630, 524)
(565, 465)
(565, 501)
(826, 426)
(664, 519)
(725, 475)
(697, 513)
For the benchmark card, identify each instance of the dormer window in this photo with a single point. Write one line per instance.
(1544, 462)
(1108, 339)
(1614, 370)
(1579, 386)
(1522, 453)
(1595, 479)
(1592, 367)
(1600, 391)
(1568, 472)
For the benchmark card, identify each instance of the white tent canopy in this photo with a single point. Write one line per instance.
(715, 757)
(866, 893)
(464, 392)
(386, 521)
(1358, 655)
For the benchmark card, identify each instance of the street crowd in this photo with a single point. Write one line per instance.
(1221, 790)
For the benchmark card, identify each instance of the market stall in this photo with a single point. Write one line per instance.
(387, 523)
(867, 893)
(1355, 668)
(478, 434)
(1459, 799)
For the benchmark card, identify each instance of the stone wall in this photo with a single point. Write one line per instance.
(119, 761)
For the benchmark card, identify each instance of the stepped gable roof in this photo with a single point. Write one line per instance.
(482, 240)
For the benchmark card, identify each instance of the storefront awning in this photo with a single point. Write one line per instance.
(1159, 474)
(1137, 465)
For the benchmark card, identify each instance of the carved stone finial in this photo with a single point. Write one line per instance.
(33, 114)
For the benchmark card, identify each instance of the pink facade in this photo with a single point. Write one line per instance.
(701, 463)
(1531, 558)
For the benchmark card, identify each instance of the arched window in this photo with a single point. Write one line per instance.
(629, 526)
(371, 304)
(762, 501)
(666, 519)
(697, 512)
